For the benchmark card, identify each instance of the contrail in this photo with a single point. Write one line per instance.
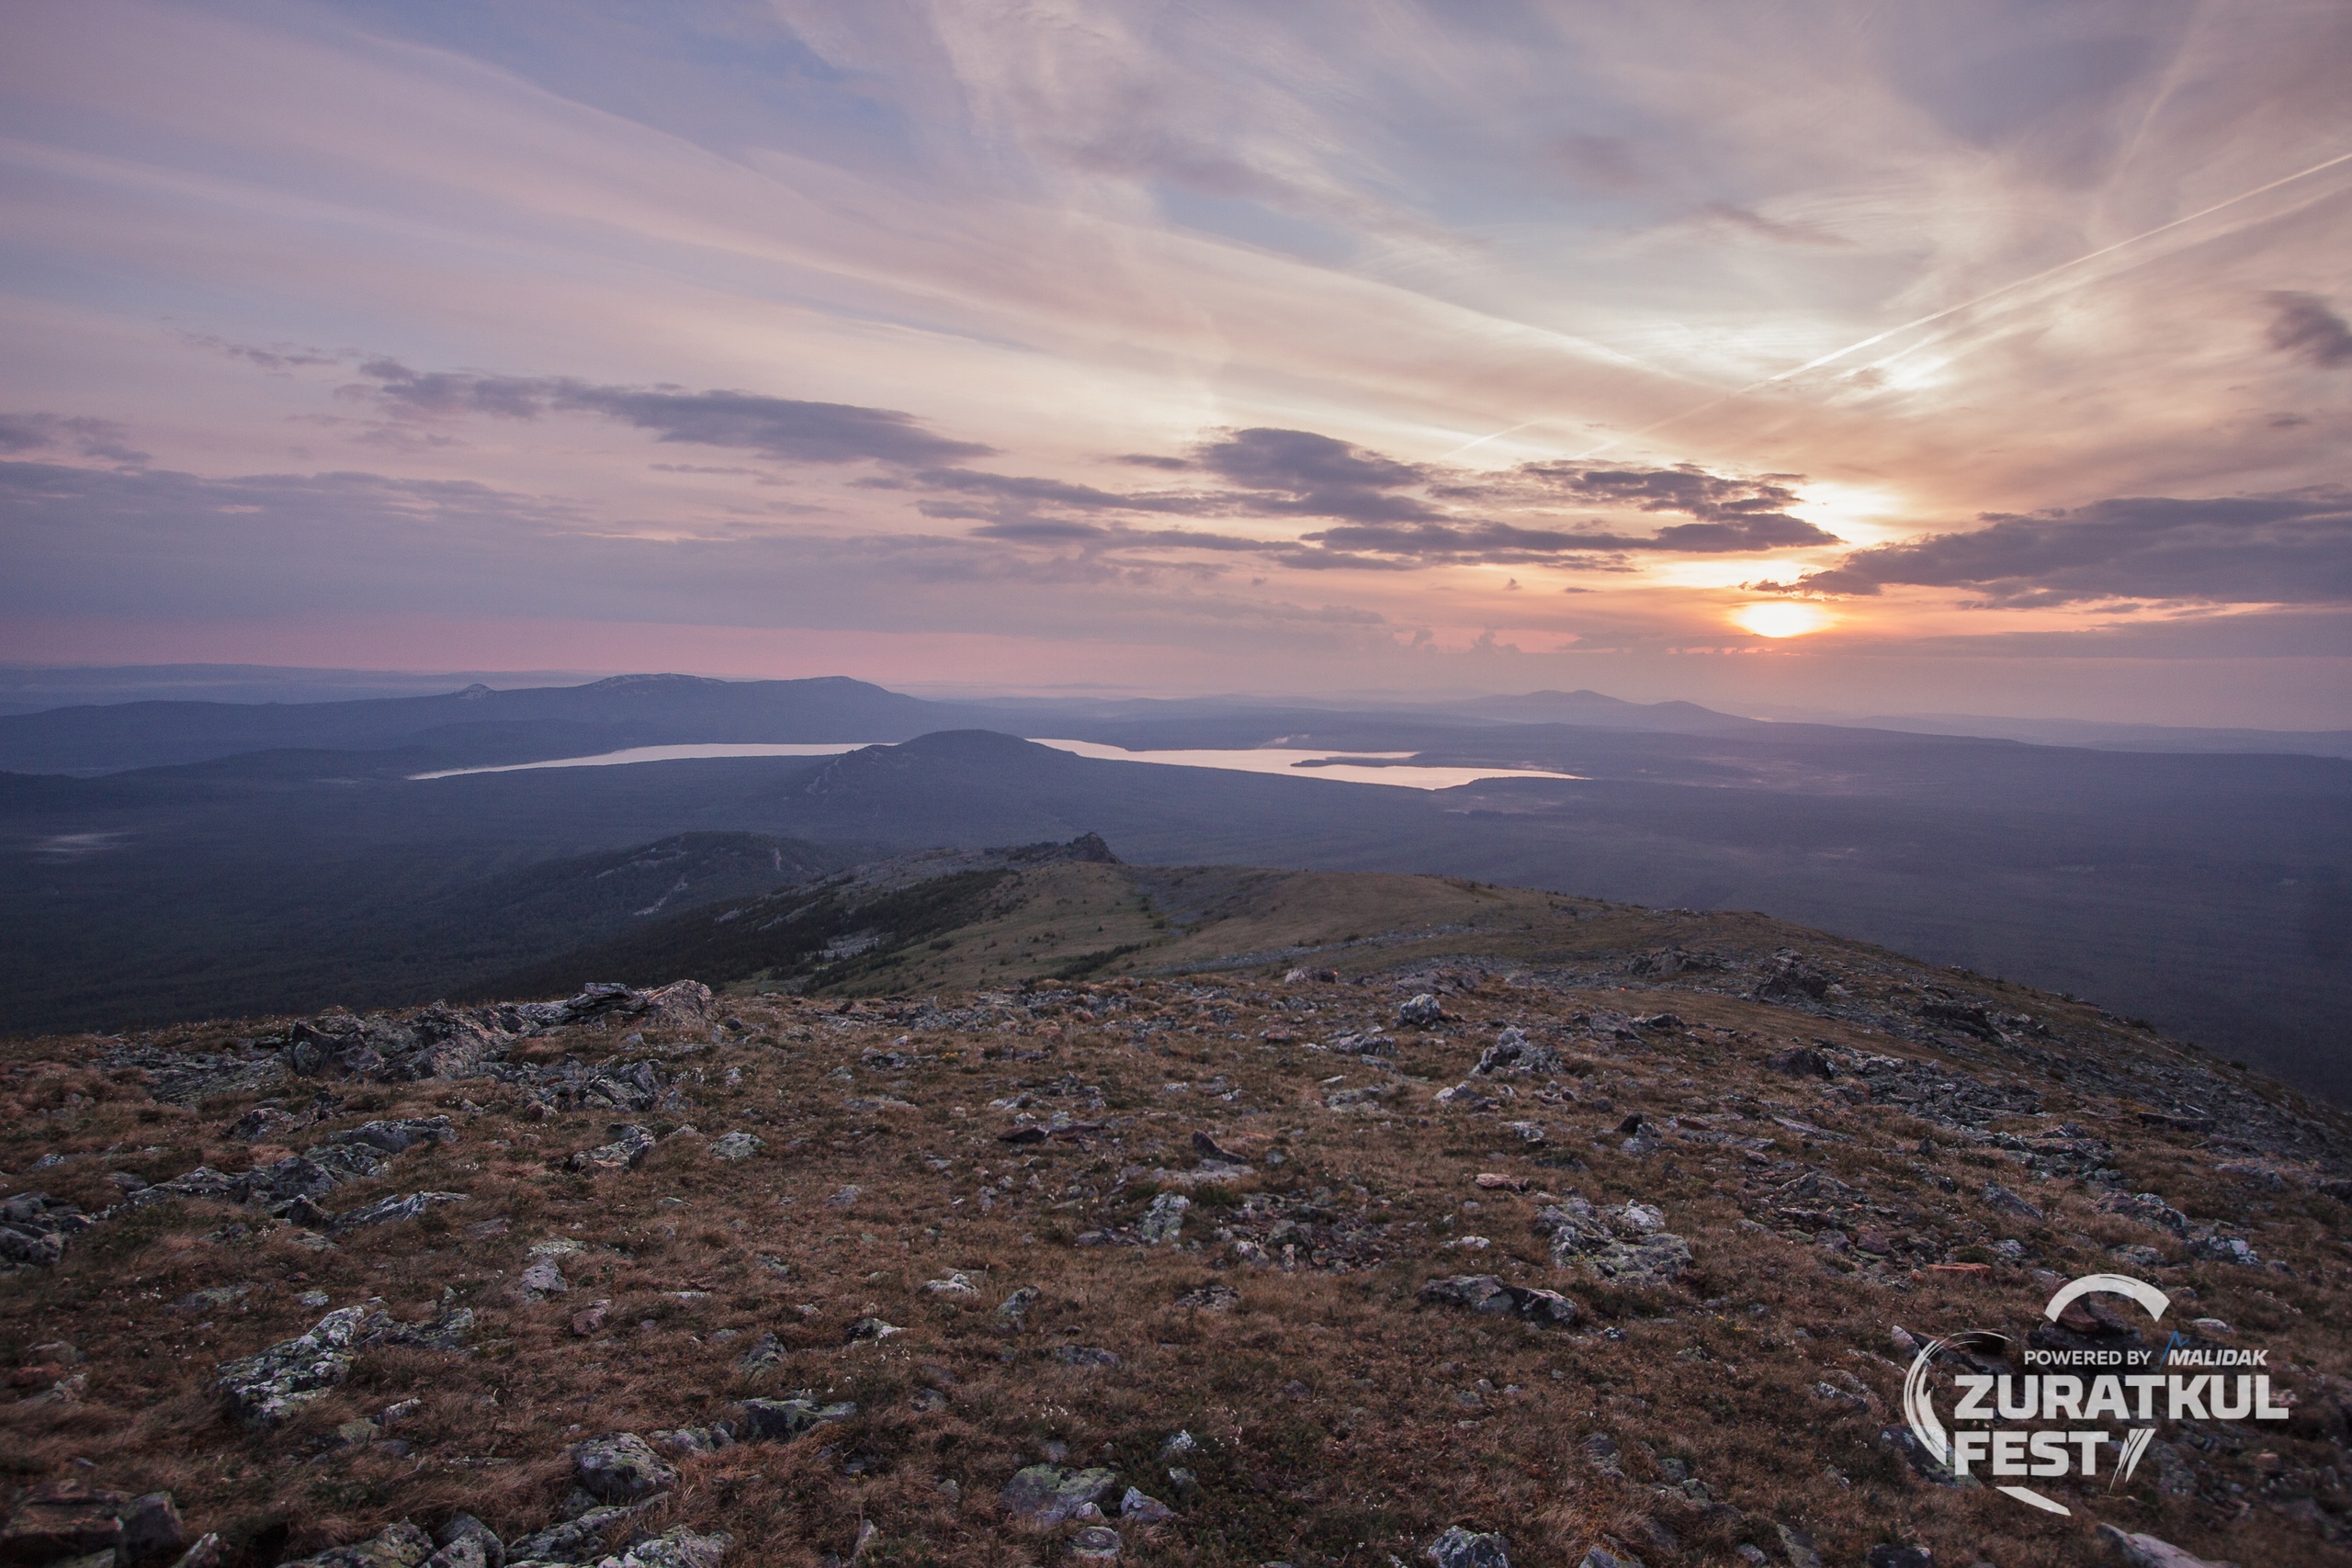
(1932, 317)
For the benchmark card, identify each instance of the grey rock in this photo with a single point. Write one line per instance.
(263, 1122)
(1015, 1307)
(1797, 1547)
(1095, 1543)
(872, 1328)
(1485, 1293)
(1163, 1222)
(628, 1149)
(1049, 1494)
(676, 1548)
(1083, 1356)
(463, 1553)
(152, 1528)
(766, 1352)
(464, 1526)
(621, 1467)
(578, 1540)
(1459, 1548)
(1422, 1011)
(395, 1137)
(2147, 1551)
(400, 1545)
(265, 1389)
(1513, 1053)
(1999, 1196)
(386, 1210)
(2226, 1249)
(736, 1146)
(1142, 1510)
(777, 1421)
(1643, 1260)
(540, 1281)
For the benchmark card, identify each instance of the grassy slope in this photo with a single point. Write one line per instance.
(1341, 1421)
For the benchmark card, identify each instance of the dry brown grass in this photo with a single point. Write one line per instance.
(1330, 1405)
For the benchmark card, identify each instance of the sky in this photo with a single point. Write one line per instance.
(1984, 358)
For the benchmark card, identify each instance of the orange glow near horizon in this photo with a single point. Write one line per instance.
(1781, 617)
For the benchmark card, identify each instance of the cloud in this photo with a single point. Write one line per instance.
(786, 429)
(2304, 326)
(2293, 548)
(91, 437)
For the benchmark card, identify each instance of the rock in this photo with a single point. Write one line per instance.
(396, 1137)
(1209, 1298)
(957, 1283)
(464, 1526)
(540, 1281)
(1797, 1547)
(401, 1545)
(575, 1541)
(2226, 1249)
(2148, 1553)
(1799, 1062)
(683, 1004)
(1083, 1356)
(629, 1146)
(1999, 1196)
(1512, 1053)
(1371, 1042)
(590, 1320)
(736, 1146)
(1095, 1543)
(1459, 1548)
(620, 1467)
(1790, 977)
(1422, 1012)
(265, 1389)
(780, 1420)
(845, 1198)
(1895, 1554)
(465, 1553)
(1643, 1256)
(2148, 1209)
(1048, 1493)
(872, 1328)
(33, 1228)
(152, 1528)
(1208, 1148)
(1485, 1293)
(676, 1548)
(1164, 1221)
(63, 1519)
(386, 1210)
(766, 1352)
(1142, 1510)
(1015, 1307)
(1494, 1181)
(263, 1122)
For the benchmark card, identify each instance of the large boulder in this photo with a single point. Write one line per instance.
(621, 1467)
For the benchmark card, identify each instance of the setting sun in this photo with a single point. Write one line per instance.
(1781, 617)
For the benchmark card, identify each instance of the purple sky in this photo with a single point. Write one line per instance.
(1989, 357)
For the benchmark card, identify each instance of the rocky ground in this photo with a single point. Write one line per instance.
(1475, 1258)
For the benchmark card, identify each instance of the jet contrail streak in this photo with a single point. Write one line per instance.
(1932, 316)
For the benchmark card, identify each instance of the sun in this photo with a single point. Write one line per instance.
(1781, 617)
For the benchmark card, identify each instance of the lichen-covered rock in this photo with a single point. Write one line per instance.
(736, 1146)
(266, 1388)
(1164, 1221)
(573, 1541)
(777, 1421)
(1625, 1246)
(1423, 1012)
(677, 1548)
(1459, 1548)
(464, 1530)
(1048, 1493)
(400, 1545)
(621, 1467)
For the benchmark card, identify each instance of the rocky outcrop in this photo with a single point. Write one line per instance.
(1485, 1293)
(1627, 1245)
(271, 1386)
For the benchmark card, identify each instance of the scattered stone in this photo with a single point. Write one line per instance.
(1628, 1246)
(400, 1545)
(1095, 1543)
(1422, 1012)
(736, 1146)
(540, 1281)
(1999, 1196)
(1142, 1510)
(779, 1420)
(620, 1467)
(1049, 1494)
(629, 1146)
(1209, 1298)
(1485, 1293)
(1459, 1548)
(1164, 1221)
